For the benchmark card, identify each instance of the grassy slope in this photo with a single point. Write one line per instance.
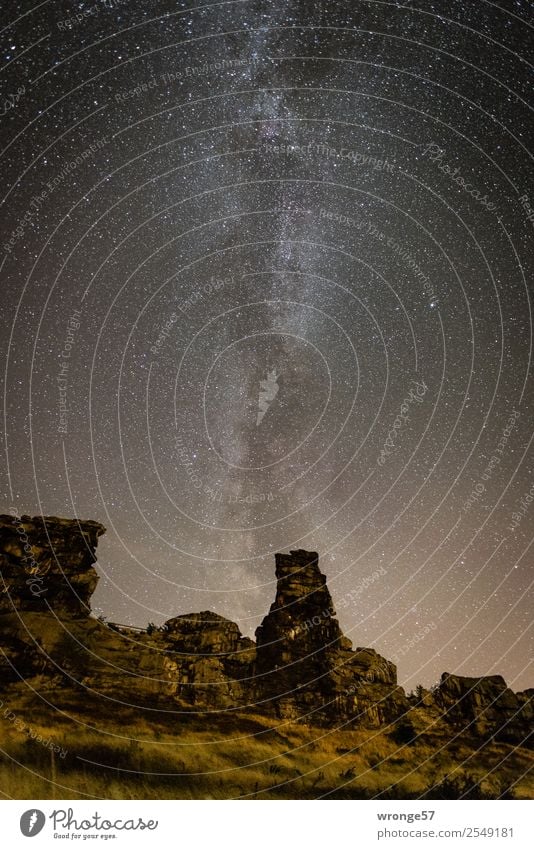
(244, 756)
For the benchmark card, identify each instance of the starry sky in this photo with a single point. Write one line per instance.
(266, 272)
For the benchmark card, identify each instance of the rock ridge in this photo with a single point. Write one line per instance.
(301, 667)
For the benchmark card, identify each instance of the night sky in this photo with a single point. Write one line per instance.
(266, 273)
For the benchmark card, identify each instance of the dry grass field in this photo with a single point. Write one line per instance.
(246, 756)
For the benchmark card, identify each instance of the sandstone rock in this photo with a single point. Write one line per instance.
(47, 562)
(526, 701)
(301, 619)
(302, 666)
(203, 633)
(209, 662)
(486, 706)
(304, 663)
(82, 655)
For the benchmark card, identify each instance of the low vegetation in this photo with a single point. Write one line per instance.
(247, 757)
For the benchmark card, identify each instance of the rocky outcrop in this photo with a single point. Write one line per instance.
(209, 664)
(486, 706)
(305, 666)
(302, 667)
(47, 632)
(204, 633)
(47, 563)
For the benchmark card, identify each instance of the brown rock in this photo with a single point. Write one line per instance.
(47, 562)
(203, 633)
(302, 666)
(305, 665)
(486, 706)
(209, 663)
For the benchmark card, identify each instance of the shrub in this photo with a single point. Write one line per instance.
(404, 733)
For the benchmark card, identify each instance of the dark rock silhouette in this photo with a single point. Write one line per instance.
(208, 662)
(301, 667)
(48, 562)
(486, 705)
(304, 662)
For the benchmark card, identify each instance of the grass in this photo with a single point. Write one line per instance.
(245, 757)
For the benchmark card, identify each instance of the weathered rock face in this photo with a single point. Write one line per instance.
(47, 563)
(305, 666)
(486, 706)
(302, 666)
(204, 633)
(208, 663)
(299, 628)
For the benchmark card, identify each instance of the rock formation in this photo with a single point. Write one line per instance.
(48, 563)
(302, 667)
(486, 705)
(306, 666)
(208, 663)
